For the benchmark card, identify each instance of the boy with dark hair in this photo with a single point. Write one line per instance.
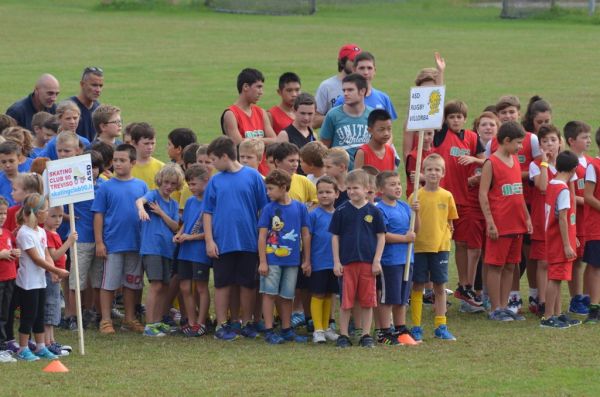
(106, 151)
(40, 138)
(286, 156)
(232, 201)
(9, 163)
(377, 152)
(143, 138)
(282, 115)
(311, 160)
(300, 132)
(358, 239)
(178, 139)
(107, 123)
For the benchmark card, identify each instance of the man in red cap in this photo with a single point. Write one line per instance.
(329, 90)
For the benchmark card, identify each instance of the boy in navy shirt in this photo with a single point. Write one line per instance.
(283, 234)
(358, 240)
(232, 201)
(117, 235)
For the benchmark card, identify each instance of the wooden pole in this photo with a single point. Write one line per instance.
(413, 215)
(75, 268)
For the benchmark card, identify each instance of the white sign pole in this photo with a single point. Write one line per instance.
(75, 268)
(413, 215)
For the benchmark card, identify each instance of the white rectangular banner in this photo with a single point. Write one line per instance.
(69, 180)
(426, 108)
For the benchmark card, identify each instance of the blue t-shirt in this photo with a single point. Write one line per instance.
(321, 256)
(35, 152)
(6, 189)
(357, 229)
(346, 131)
(84, 217)
(193, 250)
(234, 200)
(157, 238)
(85, 128)
(115, 199)
(26, 165)
(23, 111)
(377, 100)
(284, 225)
(397, 221)
(50, 149)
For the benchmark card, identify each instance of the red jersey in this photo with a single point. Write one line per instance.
(507, 203)
(281, 120)
(554, 247)
(473, 192)
(453, 145)
(411, 166)
(525, 156)
(54, 241)
(591, 215)
(579, 186)
(8, 268)
(387, 163)
(11, 218)
(252, 126)
(538, 202)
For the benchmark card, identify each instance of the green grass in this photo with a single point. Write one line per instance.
(176, 67)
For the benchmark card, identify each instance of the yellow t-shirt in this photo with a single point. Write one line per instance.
(436, 209)
(303, 190)
(182, 195)
(146, 172)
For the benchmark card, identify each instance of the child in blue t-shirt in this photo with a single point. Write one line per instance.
(157, 244)
(193, 265)
(117, 235)
(393, 291)
(322, 283)
(282, 235)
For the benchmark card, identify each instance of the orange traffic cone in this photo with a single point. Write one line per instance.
(406, 339)
(55, 366)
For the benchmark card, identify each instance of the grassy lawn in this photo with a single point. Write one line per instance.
(176, 68)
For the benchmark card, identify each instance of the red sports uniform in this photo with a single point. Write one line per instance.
(592, 216)
(538, 217)
(8, 268)
(387, 163)
(252, 126)
(281, 120)
(559, 266)
(579, 186)
(411, 166)
(476, 229)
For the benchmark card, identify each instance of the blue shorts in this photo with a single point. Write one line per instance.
(431, 266)
(323, 282)
(591, 253)
(281, 281)
(394, 290)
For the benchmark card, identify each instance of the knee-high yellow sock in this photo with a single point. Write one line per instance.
(326, 311)
(316, 309)
(439, 320)
(416, 307)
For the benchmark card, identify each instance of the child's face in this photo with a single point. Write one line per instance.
(289, 164)
(220, 163)
(270, 163)
(357, 192)
(371, 193)
(253, 92)
(381, 132)
(366, 69)
(428, 138)
(18, 193)
(289, 93)
(173, 152)
(550, 144)
(69, 120)
(514, 146)
(332, 169)
(455, 121)
(197, 186)
(510, 113)
(113, 127)
(121, 164)
(276, 193)
(47, 134)
(392, 188)
(9, 163)
(249, 159)
(305, 115)
(307, 168)
(55, 218)
(95, 173)
(66, 149)
(433, 172)
(3, 214)
(42, 214)
(167, 187)
(582, 143)
(204, 160)
(326, 194)
(145, 147)
(487, 129)
(127, 139)
(541, 119)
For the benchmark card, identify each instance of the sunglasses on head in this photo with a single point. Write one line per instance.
(92, 69)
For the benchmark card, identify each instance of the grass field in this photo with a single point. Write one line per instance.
(177, 67)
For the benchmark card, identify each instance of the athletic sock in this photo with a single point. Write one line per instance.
(533, 292)
(327, 301)
(416, 307)
(39, 347)
(439, 320)
(516, 294)
(316, 308)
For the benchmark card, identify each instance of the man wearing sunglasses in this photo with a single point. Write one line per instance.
(92, 83)
(43, 98)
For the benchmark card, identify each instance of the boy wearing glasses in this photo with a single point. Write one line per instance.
(107, 123)
(92, 83)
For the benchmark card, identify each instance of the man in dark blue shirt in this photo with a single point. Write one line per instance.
(92, 83)
(43, 98)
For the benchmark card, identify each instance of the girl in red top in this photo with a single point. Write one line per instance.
(377, 153)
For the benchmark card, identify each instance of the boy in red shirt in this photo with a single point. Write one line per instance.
(8, 273)
(561, 240)
(377, 152)
(282, 115)
(453, 143)
(506, 217)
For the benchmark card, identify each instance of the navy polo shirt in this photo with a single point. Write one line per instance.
(86, 126)
(23, 111)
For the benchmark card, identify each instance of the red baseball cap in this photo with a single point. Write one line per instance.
(349, 51)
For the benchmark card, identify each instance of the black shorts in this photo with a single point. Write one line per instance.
(187, 270)
(323, 282)
(591, 253)
(302, 281)
(236, 268)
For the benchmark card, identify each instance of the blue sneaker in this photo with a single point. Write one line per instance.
(442, 332)
(586, 300)
(47, 354)
(272, 338)
(290, 336)
(571, 322)
(236, 327)
(26, 355)
(500, 315)
(515, 316)
(577, 305)
(298, 319)
(343, 341)
(225, 333)
(417, 333)
(249, 331)
(260, 326)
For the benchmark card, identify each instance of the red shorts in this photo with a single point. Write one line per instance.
(560, 271)
(461, 225)
(504, 250)
(358, 283)
(475, 233)
(537, 251)
(581, 247)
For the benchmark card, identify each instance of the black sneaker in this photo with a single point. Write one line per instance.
(72, 323)
(472, 296)
(553, 322)
(541, 309)
(385, 338)
(569, 321)
(343, 341)
(428, 297)
(367, 341)
(594, 315)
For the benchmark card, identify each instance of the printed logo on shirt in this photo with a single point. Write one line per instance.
(522, 159)
(351, 135)
(368, 218)
(512, 189)
(254, 134)
(442, 206)
(581, 183)
(572, 219)
(457, 151)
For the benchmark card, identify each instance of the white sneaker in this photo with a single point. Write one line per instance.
(319, 336)
(466, 308)
(6, 357)
(331, 335)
